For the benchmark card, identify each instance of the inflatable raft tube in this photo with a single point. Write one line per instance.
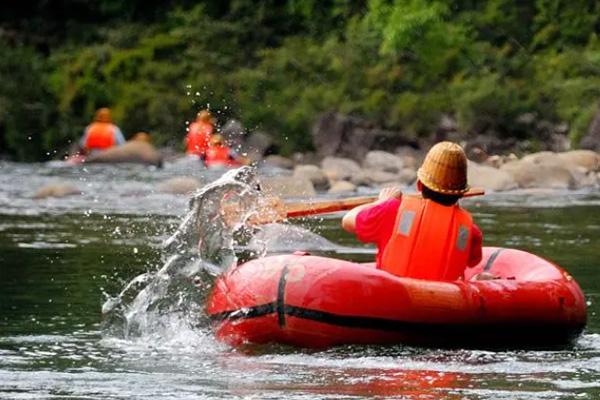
(318, 302)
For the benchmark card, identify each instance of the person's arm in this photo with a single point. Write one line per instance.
(476, 244)
(349, 220)
(119, 138)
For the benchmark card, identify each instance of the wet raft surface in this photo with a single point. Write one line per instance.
(58, 258)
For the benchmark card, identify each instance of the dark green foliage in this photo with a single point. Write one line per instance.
(277, 64)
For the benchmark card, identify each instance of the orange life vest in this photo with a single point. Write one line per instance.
(100, 136)
(198, 137)
(218, 156)
(429, 241)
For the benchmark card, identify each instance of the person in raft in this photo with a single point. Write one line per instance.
(426, 238)
(101, 134)
(218, 154)
(199, 133)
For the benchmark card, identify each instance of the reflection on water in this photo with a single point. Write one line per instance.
(58, 261)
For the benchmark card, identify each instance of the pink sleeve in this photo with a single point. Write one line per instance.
(375, 224)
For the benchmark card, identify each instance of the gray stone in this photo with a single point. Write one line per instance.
(256, 145)
(591, 141)
(59, 189)
(350, 136)
(131, 152)
(587, 159)
(179, 185)
(548, 174)
(287, 186)
(337, 168)
(342, 187)
(489, 178)
(313, 174)
(407, 176)
(383, 161)
(278, 161)
(371, 177)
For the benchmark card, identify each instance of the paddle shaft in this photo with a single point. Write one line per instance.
(323, 207)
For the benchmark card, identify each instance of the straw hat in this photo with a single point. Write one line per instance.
(444, 169)
(103, 115)
(204, 115)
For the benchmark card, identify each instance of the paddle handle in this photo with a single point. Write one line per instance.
(323, 207)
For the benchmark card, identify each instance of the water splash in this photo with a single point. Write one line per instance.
(201, 247)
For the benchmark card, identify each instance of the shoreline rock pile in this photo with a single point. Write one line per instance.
(576, 169)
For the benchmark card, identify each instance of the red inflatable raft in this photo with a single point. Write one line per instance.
(313, 301)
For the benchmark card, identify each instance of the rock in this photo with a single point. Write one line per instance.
(287, 186)
(179, 185)
(476, 154)
(279, 161)
(383, 161)
(131, 152)
(342, 187)
(60, 189)
(407, 176)
(256, 145)
(371, 177)
(489, 178)
(233, 132)
(337, 168)
(306, 158)
(447, 124)
(411, 157)
(548, 174)
(352, 137)
(481, 145)
(541, 157)
(313, 174)
(591, 141)
(587, 159)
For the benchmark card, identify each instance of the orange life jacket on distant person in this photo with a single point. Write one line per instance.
(198, 137)
(100, 136)
(219, 156)
(430, 241)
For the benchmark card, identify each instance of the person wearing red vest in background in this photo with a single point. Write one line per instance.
(218, 154)
(102, 133)
(199, 134)
(425, 238)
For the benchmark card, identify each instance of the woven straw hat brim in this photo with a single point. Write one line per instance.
(427, 181)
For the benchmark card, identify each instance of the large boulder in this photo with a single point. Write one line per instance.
(549, 174)
(58, 189)
(342, 187)
(588, 160)
(382, 161)
(352, 137)
(275, 160)
(337, 168)
(287, 186)
(373, 177)
(591, 141)
(233, 132)
(313, 174)
(131, 152)
(489, 178)
(407, 176)
(256, 145)
(542, 157)
(179, 185)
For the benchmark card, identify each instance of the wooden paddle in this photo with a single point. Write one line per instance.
(303, 209)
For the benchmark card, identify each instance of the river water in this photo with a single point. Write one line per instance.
(61, 258)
